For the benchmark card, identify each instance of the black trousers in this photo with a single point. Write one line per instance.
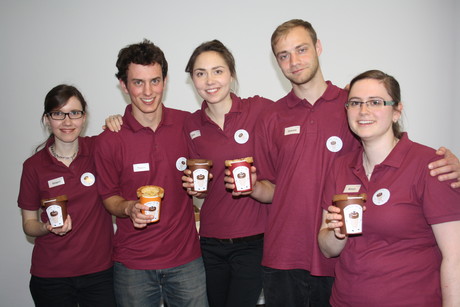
(84, 291)
(233, 272)
(296, 288)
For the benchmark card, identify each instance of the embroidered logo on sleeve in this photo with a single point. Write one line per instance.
(195, 134)
(292, 130)
(56, 182)
(141, 167)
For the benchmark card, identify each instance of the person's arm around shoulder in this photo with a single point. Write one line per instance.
(123, 208)
(113, 123)
(34, 228)
(331, 241)
(448, 240)
(446, 168)
(262, 190)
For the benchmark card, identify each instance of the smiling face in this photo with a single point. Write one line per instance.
(372, 123)
(67, 130)
(145, 86)
(212, 78)
(297, 55)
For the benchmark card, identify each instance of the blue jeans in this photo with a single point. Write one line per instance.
(233, 272)
(182, 286)
(94, 289)
(296, 288)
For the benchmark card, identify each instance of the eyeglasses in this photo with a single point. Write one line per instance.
(58, 115)
(371, 104)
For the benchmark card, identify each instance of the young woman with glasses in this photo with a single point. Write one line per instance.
(409, 251)
(71, 264)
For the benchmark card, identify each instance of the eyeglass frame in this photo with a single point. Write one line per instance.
(50, 114)
(385, 103)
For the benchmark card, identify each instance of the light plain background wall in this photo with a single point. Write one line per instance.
(48, 42)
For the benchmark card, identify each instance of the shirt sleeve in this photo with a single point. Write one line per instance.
(265, 151)
(108, 160)
(29, 192)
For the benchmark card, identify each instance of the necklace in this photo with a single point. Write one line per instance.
(367, 168)
(63, 157)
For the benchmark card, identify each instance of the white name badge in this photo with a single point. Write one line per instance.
(141, 167)
(352, 188)
(195, 134)
(292, 130)
(56, 182)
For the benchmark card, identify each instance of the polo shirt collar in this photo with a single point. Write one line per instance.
(331, 94)
(83, 150)
(134, 125)
(394, 159)
(237, 107)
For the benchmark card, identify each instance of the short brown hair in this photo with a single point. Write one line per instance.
(287, 26)
(144, 53)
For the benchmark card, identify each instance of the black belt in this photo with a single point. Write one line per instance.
(242, 239)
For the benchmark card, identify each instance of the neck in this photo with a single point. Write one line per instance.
(311, 90)
(151, 120)
(376, 152)
(64, 152)
(217, 111)
(65, 149)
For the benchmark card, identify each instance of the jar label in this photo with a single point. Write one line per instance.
(200, 180)
(55, 217)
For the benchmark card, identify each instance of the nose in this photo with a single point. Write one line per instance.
(67, 119)
(147, 89)
(293, 59)
(209, 79)
(363, 107)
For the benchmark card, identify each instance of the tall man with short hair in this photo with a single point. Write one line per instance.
(152, 260)
(297, 140)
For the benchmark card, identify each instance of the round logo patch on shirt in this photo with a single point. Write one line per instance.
(241, 136)
(334, 144)
(181, 164)
(87, 179)
(381, 197)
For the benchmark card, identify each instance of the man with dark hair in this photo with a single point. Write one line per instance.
(160, 260)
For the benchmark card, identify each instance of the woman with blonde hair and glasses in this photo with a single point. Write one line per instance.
(72, 263)
(409, 251)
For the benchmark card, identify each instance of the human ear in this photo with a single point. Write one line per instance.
(319, 47)
(123, 86)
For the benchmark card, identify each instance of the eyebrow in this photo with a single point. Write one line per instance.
(212, 68)
(295, 48)
(371, 97)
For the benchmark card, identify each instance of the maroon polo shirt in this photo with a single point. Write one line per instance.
(87, 248)
(397, 248)
(138, 156)
(223, 216)
(296, 144)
